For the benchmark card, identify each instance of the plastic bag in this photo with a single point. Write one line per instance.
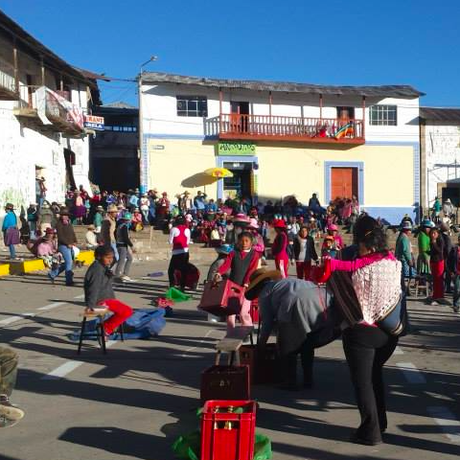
(188, 447)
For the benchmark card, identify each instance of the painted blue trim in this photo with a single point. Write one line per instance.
(328, 165)
(197, 137)
(231, 159)
(391, 215)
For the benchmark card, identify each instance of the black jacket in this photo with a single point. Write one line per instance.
(447, 245)
(310, 253)
(437, 250)
(98, 284)
(122, 236)
(452, 260)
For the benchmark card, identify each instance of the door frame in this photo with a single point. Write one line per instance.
(232, 159)
(328, 165)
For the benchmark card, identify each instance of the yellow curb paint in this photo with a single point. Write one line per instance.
(4, 269)
(87, 257)
(26, 266)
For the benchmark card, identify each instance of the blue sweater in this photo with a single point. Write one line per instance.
(9, 221)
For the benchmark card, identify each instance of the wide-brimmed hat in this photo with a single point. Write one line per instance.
(9, 206)
(91, 227)
(224, 249)
(112, 208)
(64, 211)
(279, 223)
(332, 227)
(45, 205)
(406, 225)
(427, 223)
(253, 223)
(99, 208)
(257, 279)
(448, 201)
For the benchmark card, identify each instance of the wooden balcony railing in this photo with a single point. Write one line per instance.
(8, 89)
(298, 129)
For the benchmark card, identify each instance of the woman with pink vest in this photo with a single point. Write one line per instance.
(179, 238)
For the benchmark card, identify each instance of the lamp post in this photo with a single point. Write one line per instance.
(142, 184)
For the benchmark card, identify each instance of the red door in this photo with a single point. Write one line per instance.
(344, 182)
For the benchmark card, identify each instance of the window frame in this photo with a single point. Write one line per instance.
(379, 115)
(201, 104)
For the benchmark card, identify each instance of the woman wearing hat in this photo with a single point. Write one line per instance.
(423, 261)
(403, 251)
(11, 235)
(279, 247)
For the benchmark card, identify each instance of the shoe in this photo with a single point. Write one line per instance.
(51, 278)
(443, 301)
(456, 308)
(125, 279)
(355, 438)
(9, 413)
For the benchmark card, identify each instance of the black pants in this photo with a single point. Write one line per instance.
(307, 356)
(178, 262)
(367, 349)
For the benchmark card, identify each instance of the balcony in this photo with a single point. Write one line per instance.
(51, 111)
(293, 129)
(8, 89)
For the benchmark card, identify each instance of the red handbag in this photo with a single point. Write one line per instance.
(222, 299)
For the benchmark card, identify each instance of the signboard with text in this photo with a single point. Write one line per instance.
(236, 148)
(93, 122)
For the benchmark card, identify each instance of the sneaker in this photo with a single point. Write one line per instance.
(126, 278)
(9, 413)
(443, 301)
(456, 308)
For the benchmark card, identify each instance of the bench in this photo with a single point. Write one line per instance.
(232, 342)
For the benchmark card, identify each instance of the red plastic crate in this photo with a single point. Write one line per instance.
(222, 299)
(263, 368)
(226, 435)
(225, 382)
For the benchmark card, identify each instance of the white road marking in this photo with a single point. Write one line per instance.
(82, 296)
(398, 351)
(51, 306)
(13, 319)
(10, 320)
(62, 370)
(201, 341)
(411, 373)
(447, 421)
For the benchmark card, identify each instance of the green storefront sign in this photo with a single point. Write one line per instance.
(236, 148)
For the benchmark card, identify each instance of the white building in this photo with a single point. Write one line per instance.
(283, 138)
(42, 105)
(440, 148)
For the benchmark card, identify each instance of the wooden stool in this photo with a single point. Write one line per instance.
(422, 284)
(232, 342)
(98, 314)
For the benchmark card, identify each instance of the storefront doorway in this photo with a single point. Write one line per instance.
(240, 184)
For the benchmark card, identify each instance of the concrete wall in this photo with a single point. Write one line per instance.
(284, 169)
(441, 146)
(159, 110)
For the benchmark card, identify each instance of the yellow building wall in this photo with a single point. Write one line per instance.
(286, 169)
(179, 161)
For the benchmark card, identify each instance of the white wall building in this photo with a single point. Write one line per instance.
(291, 136)
(440, 147)
(42, 105)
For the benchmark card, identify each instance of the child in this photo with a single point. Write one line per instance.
(333, 231)
(453, 263)
(137, 225)
(304, 253)
(279, 247)
(239, 265)
(328, 250)
(99, 290)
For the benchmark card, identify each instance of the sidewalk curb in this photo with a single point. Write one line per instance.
(35, 265)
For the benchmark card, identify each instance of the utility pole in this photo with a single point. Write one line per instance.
(142, 184)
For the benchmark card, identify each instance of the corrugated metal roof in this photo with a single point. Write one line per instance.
(440, 114)
(119, 105)
(397, 91)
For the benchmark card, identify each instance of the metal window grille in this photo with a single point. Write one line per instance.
(192, 106)
(383, 115)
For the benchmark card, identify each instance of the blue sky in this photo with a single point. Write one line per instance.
(358, 42)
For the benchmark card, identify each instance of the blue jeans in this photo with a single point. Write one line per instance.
(115, 252)
(66, 266)
(12, 251)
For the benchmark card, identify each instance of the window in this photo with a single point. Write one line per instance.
(383, 115)
(192, 106)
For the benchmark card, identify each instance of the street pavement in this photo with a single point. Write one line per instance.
(134, 402)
